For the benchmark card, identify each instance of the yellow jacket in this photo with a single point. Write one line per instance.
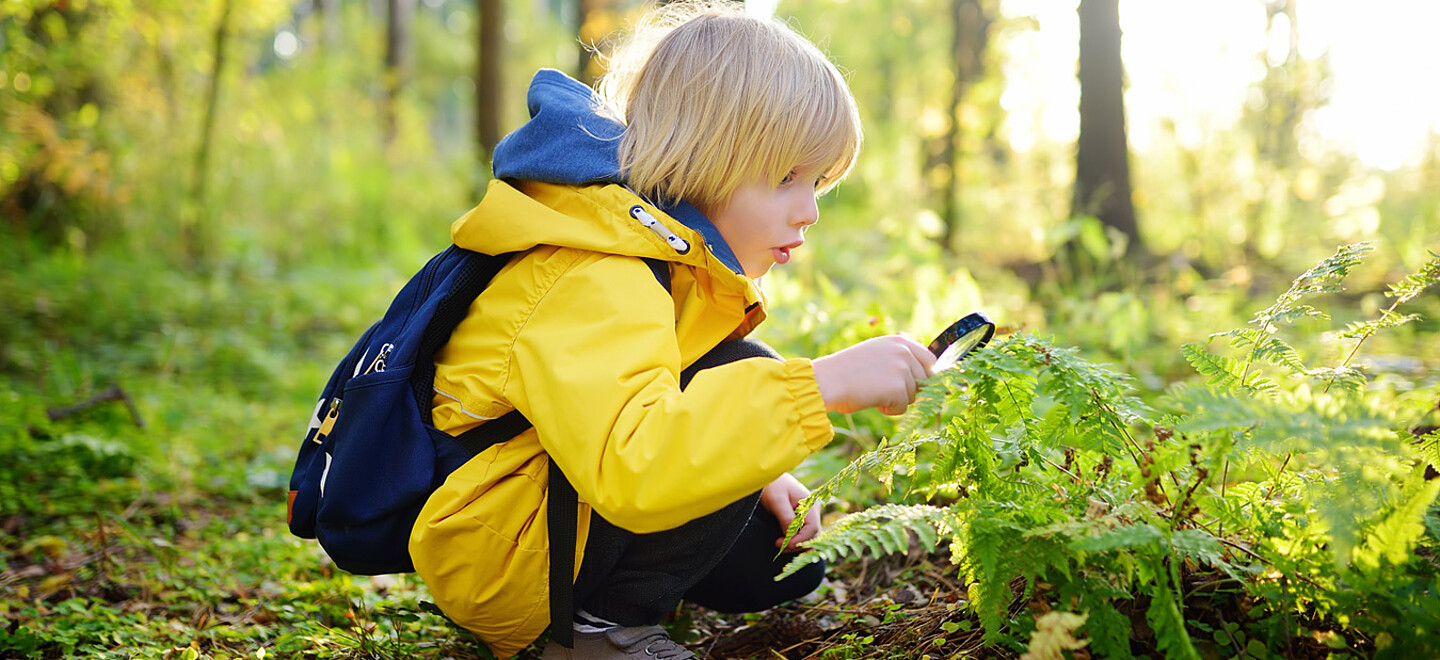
(578, 336)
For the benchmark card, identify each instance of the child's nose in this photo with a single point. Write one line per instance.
(807, 213)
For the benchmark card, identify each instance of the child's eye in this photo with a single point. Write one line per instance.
(789, 178)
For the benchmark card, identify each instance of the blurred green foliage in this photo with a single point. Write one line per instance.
(313, 223)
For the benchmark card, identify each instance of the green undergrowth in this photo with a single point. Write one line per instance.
(1273, 499)
(1273, 506)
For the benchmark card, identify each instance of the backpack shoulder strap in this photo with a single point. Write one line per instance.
(472, 275)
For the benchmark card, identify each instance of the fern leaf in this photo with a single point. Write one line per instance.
(881, 462)
(1321, 278)
(1388, 319)
(986, 545)
(1428, 447)
(1141, 536)
(1275, 351)
(1348, 378)
(1406, 289)
(1166, 619)
(880, 530)
(1108, 630)
(1224, 372)
(1394, 537)
(1278, 426)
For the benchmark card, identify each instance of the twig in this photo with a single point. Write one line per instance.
(112, 393)
(1273, 484)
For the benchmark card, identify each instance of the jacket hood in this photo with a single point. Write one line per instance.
(569, 143)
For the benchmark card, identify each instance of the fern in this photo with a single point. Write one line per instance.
(1265, 347)
(1166, 618)
(1393, 538)
(1388, 319)
(1428, 447)
(879, 530)
(1406, 289)
(1060, 478)
(1349, 379)
(1107, 629)
(1323, 277)
(1287, 424)
(882, 462)
(1129, 538)
(983, 551)
(1224, 372)
(1402, 291)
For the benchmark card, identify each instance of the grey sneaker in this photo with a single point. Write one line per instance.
(641, 642)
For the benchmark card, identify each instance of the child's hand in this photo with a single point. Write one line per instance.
(780, 498)
(883, 373)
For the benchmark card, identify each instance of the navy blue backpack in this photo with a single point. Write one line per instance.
(372, 455)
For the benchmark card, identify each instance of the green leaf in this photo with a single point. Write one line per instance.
(880, 530)
(1413, 284)
(1142, 536)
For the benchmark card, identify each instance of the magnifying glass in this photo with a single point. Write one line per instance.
(960, 339)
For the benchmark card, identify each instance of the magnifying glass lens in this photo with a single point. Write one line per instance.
(969, 333)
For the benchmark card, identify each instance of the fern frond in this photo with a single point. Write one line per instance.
(1348, 378)
(1406, 289)
(1279, 353)
(1288, 425)
(1323, 277)
(1395, 536)
(1224, 372)
(1140, 536)
(948, 470)
(1428, 447)
(881, 530)
(929, 404)
(1108, 630)
(1166, 619)
(1388, 319)
(987, 546)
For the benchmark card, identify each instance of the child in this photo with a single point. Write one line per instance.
(717, 138)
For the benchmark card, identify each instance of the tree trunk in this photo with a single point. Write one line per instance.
(397, 63)
(195, 228)
(972, 27)
(584, 9)
(487, 76)
(329, 14)
(1102, 163)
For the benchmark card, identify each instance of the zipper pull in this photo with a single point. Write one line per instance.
(328, 424)
(380, 358)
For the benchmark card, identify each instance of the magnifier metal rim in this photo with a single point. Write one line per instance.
(959, 329)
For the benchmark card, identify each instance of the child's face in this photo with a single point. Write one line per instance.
(764, 223)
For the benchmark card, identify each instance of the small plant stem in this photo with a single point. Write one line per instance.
(1061, 468)
(1185, 499)
(1356, 348)
(1273, 484)
(1224, 478)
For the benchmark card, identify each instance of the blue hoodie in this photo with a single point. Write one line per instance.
(567, 142)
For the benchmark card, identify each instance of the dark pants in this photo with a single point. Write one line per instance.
(725, 561)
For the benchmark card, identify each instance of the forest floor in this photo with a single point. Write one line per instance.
(215, 577)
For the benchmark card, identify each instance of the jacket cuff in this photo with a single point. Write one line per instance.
(813, 422)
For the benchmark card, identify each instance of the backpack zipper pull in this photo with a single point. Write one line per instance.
(380, 358)
(329, 422)
(680, 245)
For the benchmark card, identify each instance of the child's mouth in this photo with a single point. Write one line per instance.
(781, 254)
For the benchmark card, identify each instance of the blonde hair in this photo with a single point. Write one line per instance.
(712, 98)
